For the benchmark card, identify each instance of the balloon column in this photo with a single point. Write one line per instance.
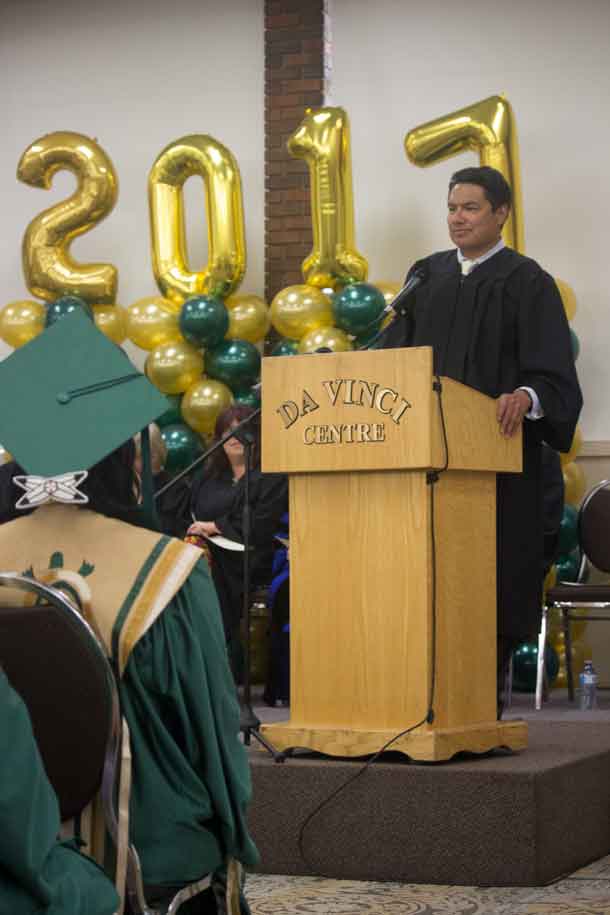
(335, 309)
(200, 334)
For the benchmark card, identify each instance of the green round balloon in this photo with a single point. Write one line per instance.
(236, 363)
(64, 306)
(525, 666)
(204, 320)
(248, 398)
(575, 344)
(567, 566)
(358, 308)
(183, 446)
(172, 415)
(568, 530)
(364, 341)
(285, 347)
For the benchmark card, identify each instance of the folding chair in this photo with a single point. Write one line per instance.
(594, 545)
(55, 661)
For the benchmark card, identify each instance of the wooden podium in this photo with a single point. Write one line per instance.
(379, 606)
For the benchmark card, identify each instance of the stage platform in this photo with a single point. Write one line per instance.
(503, 819)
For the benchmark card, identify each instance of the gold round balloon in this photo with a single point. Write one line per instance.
(486, 127)
(388, 290)
(581, 652)
(49, 269)
(20, 322)
(5, 456)
(296, 310)
(574, 481)
(201, 155)
(249, 318)
(202, 404)
(578, 626)
(575, 448)
(151, 322)
(174, 367)
(323, 140)
(112, 321)
(567, 297)
(333, 338)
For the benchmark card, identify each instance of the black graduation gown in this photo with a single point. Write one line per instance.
(501, 327)
(268, 502)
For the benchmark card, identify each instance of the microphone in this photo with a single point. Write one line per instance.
(417, 278)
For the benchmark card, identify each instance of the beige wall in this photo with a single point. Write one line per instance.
(398, 64)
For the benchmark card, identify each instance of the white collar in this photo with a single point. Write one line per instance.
(483, 257)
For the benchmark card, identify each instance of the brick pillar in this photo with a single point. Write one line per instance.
(297, 54)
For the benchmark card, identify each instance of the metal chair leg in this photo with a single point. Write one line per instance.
(567, 641)
(541, 658)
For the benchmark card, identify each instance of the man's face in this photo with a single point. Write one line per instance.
(473, 226)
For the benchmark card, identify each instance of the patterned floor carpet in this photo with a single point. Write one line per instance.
(587, 892)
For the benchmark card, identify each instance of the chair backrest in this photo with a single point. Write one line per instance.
(594, 526)
(54, 661)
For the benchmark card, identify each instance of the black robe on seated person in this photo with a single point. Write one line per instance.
(501, 327)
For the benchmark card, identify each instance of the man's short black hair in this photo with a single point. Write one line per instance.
(494, 184)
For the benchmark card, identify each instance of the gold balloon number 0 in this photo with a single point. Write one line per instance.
(49, 268)
(487, 127)
(203, 156)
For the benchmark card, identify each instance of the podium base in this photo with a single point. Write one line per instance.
(427, 744)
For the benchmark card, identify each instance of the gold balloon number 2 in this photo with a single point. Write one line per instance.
(487, 127)
(49, 268)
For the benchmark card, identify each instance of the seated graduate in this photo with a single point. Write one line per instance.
(38, 873)
(149, 597)
(173, 506)
(218, 505)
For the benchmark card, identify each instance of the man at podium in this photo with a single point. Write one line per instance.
(496, 322)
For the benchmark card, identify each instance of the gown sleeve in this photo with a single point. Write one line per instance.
(546, 362)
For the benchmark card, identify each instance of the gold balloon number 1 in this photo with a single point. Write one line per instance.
(487, 127)
(323, 140)
(203, 156)
(49, 268)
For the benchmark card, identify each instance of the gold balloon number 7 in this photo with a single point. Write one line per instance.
(487, 127)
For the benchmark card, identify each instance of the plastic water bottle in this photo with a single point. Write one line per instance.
(588, 688)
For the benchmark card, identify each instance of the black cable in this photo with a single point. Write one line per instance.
(431, 478)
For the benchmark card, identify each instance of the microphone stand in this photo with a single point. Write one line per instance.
(249, 723)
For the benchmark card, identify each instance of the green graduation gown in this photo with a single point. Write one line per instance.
(152, 601)
(38, 874)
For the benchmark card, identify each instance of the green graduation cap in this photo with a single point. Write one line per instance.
(70, 397)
